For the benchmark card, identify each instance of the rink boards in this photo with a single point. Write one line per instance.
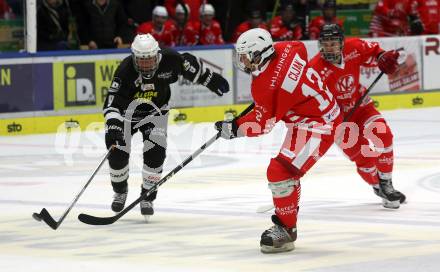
(94, 121)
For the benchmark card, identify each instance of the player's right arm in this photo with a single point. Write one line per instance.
(114, 107)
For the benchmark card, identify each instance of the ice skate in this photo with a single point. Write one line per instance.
(391, 198)
(119, 201)
(278, 238)
(147, 209)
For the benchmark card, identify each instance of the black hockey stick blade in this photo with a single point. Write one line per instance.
(36, 216)
(93, 220)
(46, 217)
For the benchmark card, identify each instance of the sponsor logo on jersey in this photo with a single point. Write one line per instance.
(146, 96)
(332, 114)
(279, 66)
(259, 110)
(79, 82)
(354, 54)
(143, 86)
(165, 75)
(346, 84)
(288, 210)
(294, 74)
(388, 161)
(115, 85)
(147, 87)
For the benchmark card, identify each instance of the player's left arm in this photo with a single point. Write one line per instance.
(194, 70)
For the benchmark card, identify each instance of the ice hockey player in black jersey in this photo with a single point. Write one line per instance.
(137, 100)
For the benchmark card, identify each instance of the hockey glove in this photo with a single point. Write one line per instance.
(387, 61)
(416, 25)
(214, 82)
(114, 132)
(228, 129)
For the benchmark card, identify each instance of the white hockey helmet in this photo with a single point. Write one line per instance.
(160, 11)
(253, 49)
(146, 55)
(206, 9)
(179, 9)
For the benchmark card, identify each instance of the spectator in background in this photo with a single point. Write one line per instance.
(138, 11)
(255, 19)
(390, 18)
(429, 14)
(102, 24)
(180, 25)
(6, 11)
(286, 27)
(52, 25)
(207, 30)
(160, 28)
(194, 6)
(328, 17)
(16, 8)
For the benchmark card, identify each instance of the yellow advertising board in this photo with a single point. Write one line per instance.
(82, 85)
(51, 124)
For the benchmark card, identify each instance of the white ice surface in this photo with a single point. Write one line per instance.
(206, 216)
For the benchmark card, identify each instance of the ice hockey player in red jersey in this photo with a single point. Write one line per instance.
(428, 11)
(328, 17)
(284, 88)
(286, 27)
(339, 63)
(181, 26)
(160, 28)
(207, 30)
(255, 19)
(390, 18)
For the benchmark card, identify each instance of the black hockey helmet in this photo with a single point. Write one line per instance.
(329, 4)
(331, 42)
(329, 10)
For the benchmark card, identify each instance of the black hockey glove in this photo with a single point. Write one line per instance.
(416, 25)
(114, 132)
(228, 129)
(214, 82)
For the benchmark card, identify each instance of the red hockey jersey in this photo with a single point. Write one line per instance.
(183, 36)
(289, 90)
(429, 13)
(205, 35)
(390, 18)
(343, 80)
(243, 27)
(317, 23)
(164, 37)
(280, 32)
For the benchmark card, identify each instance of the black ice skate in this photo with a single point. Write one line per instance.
(278, 238)
(119, 201)
(147, 209)
(391, 198)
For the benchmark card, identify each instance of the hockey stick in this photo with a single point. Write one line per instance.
(94, 220)
(45, 215)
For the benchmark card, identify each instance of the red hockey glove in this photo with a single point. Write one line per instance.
(388, 61)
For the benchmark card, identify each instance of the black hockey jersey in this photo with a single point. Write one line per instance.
(134, 97)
